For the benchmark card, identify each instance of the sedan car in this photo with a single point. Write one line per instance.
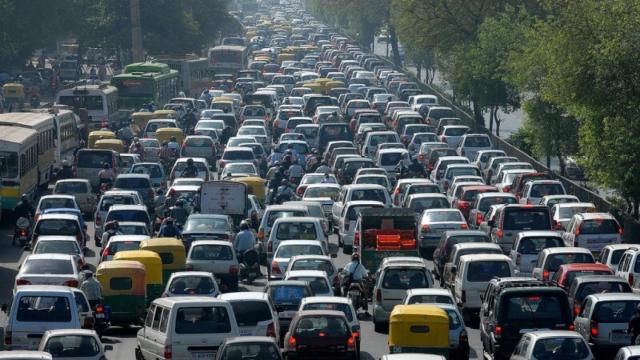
(48, 269)
(320, 333)
(67, 245)
(249, 347)
(288, 249)
(317, 262)
(207, 226)
(240, 169)
(552, 344)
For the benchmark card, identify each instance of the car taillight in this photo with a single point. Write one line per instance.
(23, 282)
(300, 190)
(261, 234)
(462, 205)
(443, 139)
(545, 275)
(378, 295)
(221, 164)
(167, 352)
(99, 309)
(479, 218)
(498, 331)
(292, 342)
(88, 323)
(270, 246)
(620, 230)
(7, 338)
(505, 189)
(464, 226)
(429, 121)
(576, 309)
(463, 338)
(571, 327)
(631, 278)
(275, 268)
(425, 228)
(500, 233)
(557, 225)
(577, 232)
(351, 341)
(98, 219)
(71, 283)
(421, 157)
(23, 232)
(356, 239)
(594, 329)
(271, 330)
(233, 269)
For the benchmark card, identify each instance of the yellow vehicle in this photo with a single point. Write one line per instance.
(99, 135)
(332, 85)
(165, 134)
(13, 96)
(285, 56)
(123, 290)
(165, 114)
(141, 119)
(314, 86)
(226, 105)
(419, 328)
(116, 145)
(172, 253)
(153, 266)
(255, 185)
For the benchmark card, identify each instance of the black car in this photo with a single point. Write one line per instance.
(512, 306)
(287, 295)
(320, 334)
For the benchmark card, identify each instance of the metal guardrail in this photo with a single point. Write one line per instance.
(631, 226)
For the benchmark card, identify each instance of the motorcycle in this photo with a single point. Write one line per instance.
(250, 266)
(105, 185)
(22, 232)
(355, 293)
(102, 314)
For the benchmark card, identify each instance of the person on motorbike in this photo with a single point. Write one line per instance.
(164, 154)
(416, 168)
(190, 171)
(24, 208)
(66, 172)
(110, 229)
(323, 168)
(284, 193)
(327, 179)
(274, 183)
(178, 212)
(173, 145)
(244, 240)
(169, 229)
(91, 288)
(354, 271)
(137, 148)
(190, 121)
(333, 117)
(127, 133)
(296, 171)
(106, 174)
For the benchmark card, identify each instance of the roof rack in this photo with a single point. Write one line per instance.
(522, 283)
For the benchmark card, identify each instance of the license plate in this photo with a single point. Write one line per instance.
(287, 314)
(202, 355)
(245, 332)
(99, 316)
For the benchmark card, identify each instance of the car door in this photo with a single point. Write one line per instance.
(568, 235)
(84, 309)
(336, 208)
(581, 322)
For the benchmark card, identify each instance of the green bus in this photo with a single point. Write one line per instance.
(146, 82)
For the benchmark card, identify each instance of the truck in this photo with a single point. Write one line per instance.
(224, 197)
(385, 232)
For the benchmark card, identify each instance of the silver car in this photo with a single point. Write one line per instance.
(109, 198)
(217, 257)
(199, 146)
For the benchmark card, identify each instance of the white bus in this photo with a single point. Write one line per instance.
(194, 73)
(101, 102)
(18, 164)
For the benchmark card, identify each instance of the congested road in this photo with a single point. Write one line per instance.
(123, 340)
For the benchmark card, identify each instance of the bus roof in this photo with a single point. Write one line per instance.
(16, 135)
(228, 47)
(146, 67)
(30, 120)
(88, 90)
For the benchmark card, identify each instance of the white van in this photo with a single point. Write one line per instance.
(185, 328)
(473, 275)
(36, 309)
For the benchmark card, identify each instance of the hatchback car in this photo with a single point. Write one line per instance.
(316, 262)
(249, 347)
(191, 283)
(199, 146)
(255, 313)
(552, 344)
(137, 182)
(286, 297)
(73, 343)
(320, 333)
(433, 222)
(207, 227)
(290, 248)
(109, 198)
(153, 169)
(80, 189)
(119, 243)
(317, 279)
(66, 245)
(217, 257)
(55, 202)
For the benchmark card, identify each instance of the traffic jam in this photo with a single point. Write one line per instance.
(314, 201)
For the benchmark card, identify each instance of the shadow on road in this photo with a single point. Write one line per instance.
(120, 332)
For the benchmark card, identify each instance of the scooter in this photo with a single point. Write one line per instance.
(250, 265)
(102, 314)
(22, 232)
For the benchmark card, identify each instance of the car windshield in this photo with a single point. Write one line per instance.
(251, 350)
(288, 251)
(562, 348)
(71, 187)
(211, 252)
(202, 320)
(47, 266)
(526, 219)
(399, 279)
(555, 260)
(540, 190)
(439, 216)
(614, 311)
(314, 264)
(318, 285)
(534, 245)
(192, 285)
(430, 299)
(322, 192)
(57, 247)
(57, 227)
(483, 271)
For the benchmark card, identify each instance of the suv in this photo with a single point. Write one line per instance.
(512, 306)
(137, 182)
(511, 219)
(593, 231)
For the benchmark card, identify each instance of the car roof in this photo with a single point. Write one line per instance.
(82, 332)
(615, 296)
(123, 238)
(189, 300)
(474, 245)
(211, 242)
(129, 176)
(250, 339)
(56, 238)
(495, 194)
(568, 249)
(296, 219)
(539, 233)
(325, 300)
(429, 291)
(58, 216)
(299, 242)
(245, 295)
(596, 216)
(306, 273)
(50, 257)
(544, 334)
(127, 207)
(288, 283)
(481, 257)
(72, 180)
(452, 233)
(44, 288)
(57, 196)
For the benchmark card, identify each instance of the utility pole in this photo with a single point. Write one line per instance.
(136, 31)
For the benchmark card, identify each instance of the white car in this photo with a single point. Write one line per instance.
(295, 228)
(318, 280)
(217, 257)
(428, 296)
(73, 344)
(55, 202)
(290, 248)
(191, 283)
(346, 224)
(255, 313)
(48, 269)
(66, 245)
(121, 243)
(552, 344)
(239, 169)
(109, 198)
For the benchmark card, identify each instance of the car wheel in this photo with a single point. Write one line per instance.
(139, 354)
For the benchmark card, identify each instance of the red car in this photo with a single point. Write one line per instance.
(468, 196)
(566, 273)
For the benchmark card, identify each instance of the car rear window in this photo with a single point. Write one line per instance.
(574, 274)
(430, 299)
(526, 219)
(486, 203)
(71, 188)
(132, 183)
(424, 189)
(540, 190)
(314, 264)
(47, 266)
(440, 216)
(57, 203)
(94, 159)
(297, 230)
(192, 285)
(344, 308)
(555, 260)
(57, 247)
(237, 155)
(537, 306)
(320, 326)
(250, 313)
(116, 246)
(481, 271)
(293, 250)
(128, 215)
(568, 212)
(421, 204)
(393, 158)
(287, 294)
(601, 287)
(274, 215)
(57, 227)
(572, 348)
(477, 141)
(43, 309)
(399, 279)
(318, 285)
(441, 113)
(374, 180)
(462, 172)
(614, 311)
(599, 226)
(212, 252)
(202, 320)
(108, 201)
(455, 131)
(199, 142)
(534, 245)
(369, 194)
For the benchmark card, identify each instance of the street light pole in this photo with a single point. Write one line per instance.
(136, 31)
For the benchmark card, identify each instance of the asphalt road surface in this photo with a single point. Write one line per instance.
(123, 340)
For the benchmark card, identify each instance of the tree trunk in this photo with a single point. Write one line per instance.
(491, 119)
(419, 71)
(477, 115)
(562, 163)
(393, 39)
(548, 157)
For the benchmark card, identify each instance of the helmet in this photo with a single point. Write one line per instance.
(173, 138)
(88, 274)
(179, 203)
(111, 225)
(24, 197)
(105, 165)
(285, 181)
(244, 225)
(65, 162)
(326, 174)
(355, 256)
(190, 161)
(136, 139)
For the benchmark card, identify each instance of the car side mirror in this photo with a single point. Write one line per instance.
(108, 348)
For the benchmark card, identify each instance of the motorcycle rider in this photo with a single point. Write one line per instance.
(284, 192)
(164, 154)
(244, 240)
(178, 212)
(190, 171)
(169, 229)
(91, 288)
(416, 168)
(24, 208)
(323, 167)
(66, 172)
(274, 183)
(296, 171)
(333, 117)
(110, 229)
(173, 145)
(354, 271)
(328, 179)
(106, 174)
(126, 133)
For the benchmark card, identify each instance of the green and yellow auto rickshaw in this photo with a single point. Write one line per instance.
(171, 251)
(419, 328)
(123, 290)
(152, 264)
(99, 135)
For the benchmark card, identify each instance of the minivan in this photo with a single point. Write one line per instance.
(511, 219)
(137, 182)
(185, 327)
